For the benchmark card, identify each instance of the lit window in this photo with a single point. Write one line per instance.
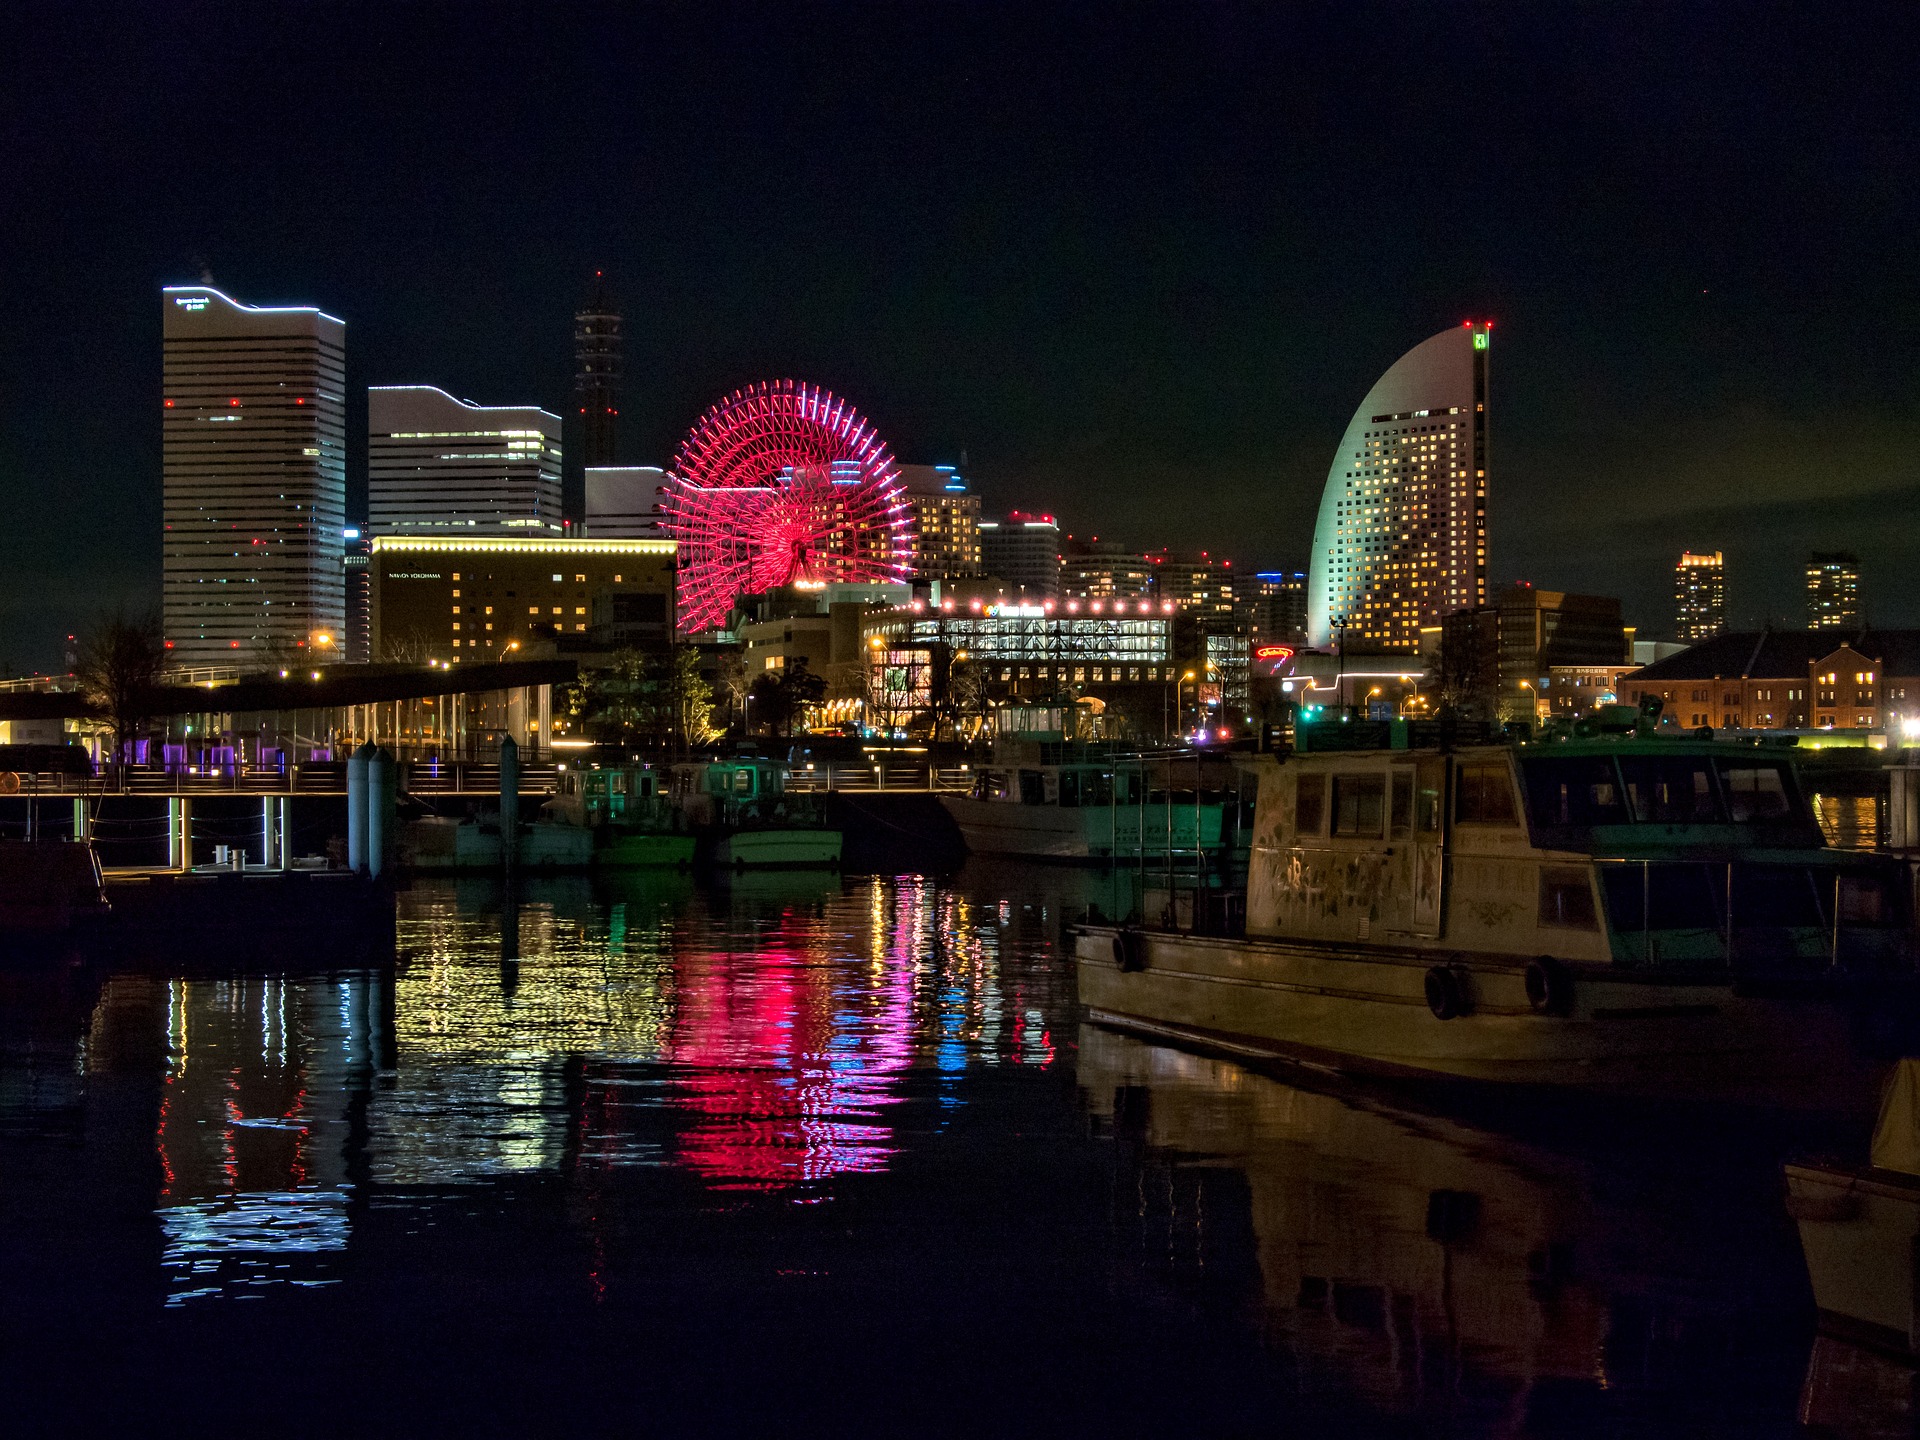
(579, 579)
(558, 610)
(533, 609)
(456, 594)
(558, 578)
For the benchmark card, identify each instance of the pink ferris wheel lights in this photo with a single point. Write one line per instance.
(781, 484)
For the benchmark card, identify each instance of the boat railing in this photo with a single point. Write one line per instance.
(1750, 917)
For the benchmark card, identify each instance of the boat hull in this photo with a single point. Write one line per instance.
(1858, 1230)
(1091, 834)
(1366, 1011)
(643, 851)
(771, 849)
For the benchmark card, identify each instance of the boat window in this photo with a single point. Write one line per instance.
(1755, 790)
(1309, 804)
(1126, 787)
(1867, 900)
(1032, 792)
(1670, 789)
(743, 782)
(1574, 792)
(1402, 820)
(1358, 805)
(1769, 896)
(1566, 897)
(1069, 788)
(1662, 897)
(1486, 795)
(1427, 810)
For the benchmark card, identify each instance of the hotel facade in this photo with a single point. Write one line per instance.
(253, 443)
(441, 466)
(1401, 538)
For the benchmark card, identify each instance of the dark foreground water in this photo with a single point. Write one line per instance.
(819, 1157)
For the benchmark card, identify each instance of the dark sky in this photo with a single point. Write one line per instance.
(1139, 263)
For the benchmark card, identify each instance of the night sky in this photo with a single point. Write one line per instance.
(1139, 264)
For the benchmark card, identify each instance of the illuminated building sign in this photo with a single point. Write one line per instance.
(1272, 659)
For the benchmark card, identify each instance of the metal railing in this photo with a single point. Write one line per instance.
(312, 778)
(875, 779)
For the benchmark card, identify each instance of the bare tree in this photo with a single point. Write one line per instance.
(118, 667)
(730, 679)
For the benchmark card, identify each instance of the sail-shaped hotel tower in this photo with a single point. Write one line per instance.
(1402, 534)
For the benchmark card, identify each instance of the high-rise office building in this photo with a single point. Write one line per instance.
(1280, 606)
(357, 644)
(437, 465)
(943, 520)
(623, 502)
(1833, 591)
(1699, 597)
(597, 374)
(1023, 551)
(254, 480)
(1401, 538)
(1099, 569)
(1200, 583)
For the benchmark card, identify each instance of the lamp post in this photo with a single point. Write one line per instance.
(1179, 704)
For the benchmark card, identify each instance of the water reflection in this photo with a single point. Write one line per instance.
(846, 1113)
(265, 1080)
(1439, 1271)
(756, 1039)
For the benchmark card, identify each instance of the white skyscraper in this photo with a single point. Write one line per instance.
(623, 502)
(441, 466)
(1402, 534)
(253, 477)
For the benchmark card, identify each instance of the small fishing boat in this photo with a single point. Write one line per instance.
(1606, 909)
(742, 816)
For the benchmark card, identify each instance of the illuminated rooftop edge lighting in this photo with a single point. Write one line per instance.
(512, 546)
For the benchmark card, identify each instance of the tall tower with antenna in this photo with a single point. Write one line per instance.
(596, 374)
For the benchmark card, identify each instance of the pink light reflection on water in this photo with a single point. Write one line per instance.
(790, 1058)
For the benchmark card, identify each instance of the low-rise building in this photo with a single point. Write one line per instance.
(1118, 657)
(1787, 680)
(457, 600)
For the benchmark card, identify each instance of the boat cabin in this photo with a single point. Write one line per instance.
(1639, 851)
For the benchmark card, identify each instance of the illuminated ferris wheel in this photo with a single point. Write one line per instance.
(781, 484)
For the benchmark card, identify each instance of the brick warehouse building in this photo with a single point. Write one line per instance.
(1788, 680)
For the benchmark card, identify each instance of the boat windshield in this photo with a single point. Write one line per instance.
(1582, 791)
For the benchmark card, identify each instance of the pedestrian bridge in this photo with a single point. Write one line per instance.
(428, 778)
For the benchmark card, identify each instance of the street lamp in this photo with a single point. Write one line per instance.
(1533, 696)
(1179, 705)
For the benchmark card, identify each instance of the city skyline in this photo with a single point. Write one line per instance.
(1100, 321)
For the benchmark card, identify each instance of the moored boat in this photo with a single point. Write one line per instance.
(50, 888)
(633, 824)
(1096, 805)
(1607, 911)
(742, 816)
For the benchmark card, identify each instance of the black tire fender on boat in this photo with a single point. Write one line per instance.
(1447, 993)
(1549, 987)
(1129, 950)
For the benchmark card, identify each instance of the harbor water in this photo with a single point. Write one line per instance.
(811, 1154)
